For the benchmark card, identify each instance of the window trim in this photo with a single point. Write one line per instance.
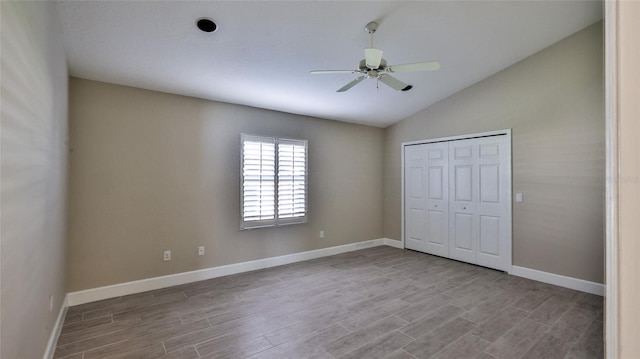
(275, 222)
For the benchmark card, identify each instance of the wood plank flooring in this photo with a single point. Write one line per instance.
(379, 302)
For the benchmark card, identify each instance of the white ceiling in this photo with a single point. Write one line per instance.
(263, 51)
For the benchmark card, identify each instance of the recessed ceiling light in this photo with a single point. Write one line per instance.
(207, 25)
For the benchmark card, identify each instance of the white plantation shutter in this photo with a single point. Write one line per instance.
(258, 181)
(292, 180)
(273, 181)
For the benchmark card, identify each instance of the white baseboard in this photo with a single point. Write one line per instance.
(55, 332)
(540, 276)
(393, 243)
(559, 280)
(117, 290)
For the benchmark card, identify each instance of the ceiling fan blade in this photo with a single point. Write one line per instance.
(351, 84)
(322, 72)
(372, 57)
(394, 82)
(419, 66)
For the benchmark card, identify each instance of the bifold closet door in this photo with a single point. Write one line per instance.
(457, 200)
(479, 188)
(426, 198)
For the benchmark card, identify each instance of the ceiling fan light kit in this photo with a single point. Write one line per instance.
(373, 57)
(373, 66)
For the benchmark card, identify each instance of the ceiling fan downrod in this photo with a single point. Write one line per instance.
(371, 29)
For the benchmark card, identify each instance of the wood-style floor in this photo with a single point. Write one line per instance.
(380, 302)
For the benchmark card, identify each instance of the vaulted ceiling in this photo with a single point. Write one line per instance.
(263, 51)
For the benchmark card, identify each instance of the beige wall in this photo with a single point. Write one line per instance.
(34, 174)
(151, 171)
(554, 103)
(629, 185)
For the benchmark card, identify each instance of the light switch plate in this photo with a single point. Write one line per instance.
(519, 197)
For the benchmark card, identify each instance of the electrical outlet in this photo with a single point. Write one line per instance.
(167, 256)
(51, 302)
(321, 234)
(201, 250)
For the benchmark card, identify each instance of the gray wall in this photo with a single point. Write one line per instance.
(34, 175)
(554, 103)
(152, 171)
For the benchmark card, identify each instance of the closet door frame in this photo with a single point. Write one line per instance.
(509, 195)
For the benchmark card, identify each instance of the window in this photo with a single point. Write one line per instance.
(273, 181)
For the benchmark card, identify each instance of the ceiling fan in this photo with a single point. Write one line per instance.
(373, 66)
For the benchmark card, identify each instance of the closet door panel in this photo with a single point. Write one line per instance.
(493, 203)
(463, 189)
(437, 201)
(463, 236)
(437, 234)
(490, 183)
(415, 197)
(489, 235)
(463, 233)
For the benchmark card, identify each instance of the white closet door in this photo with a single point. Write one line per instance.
(415, 197)
(437, 199)
(494, 175)
(479, 193)
(463, 223)
(457, 199)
